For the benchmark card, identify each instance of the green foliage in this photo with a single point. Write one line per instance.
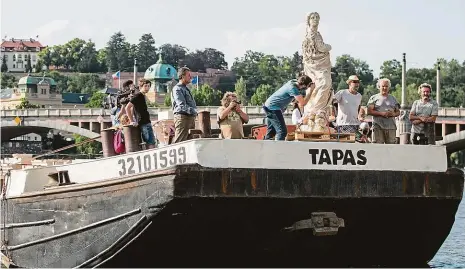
(256, 68)
(261, 94)
(172, 54)
(346, 66)
(241, 91)
(84, 83)
(167, 101)
(9, 81)
(4, 65)
(96, 100)
(91, 148)
(25, 104)
(152, 104)
(146, 52)
(28, 63)
(206, 96)
(118, 53)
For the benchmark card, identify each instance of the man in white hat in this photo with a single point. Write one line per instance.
(349, 112)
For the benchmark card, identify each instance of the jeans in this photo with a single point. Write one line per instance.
(275, 124)
(147, 133)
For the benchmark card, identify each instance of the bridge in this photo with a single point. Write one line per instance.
(89, 121)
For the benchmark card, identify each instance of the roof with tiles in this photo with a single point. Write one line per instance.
(21, 44)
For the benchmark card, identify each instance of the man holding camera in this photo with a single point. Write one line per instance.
(277, 103)
(423, 116)
(231, 117)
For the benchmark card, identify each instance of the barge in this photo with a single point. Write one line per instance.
(235, 203)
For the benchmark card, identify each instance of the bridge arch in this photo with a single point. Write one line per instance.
(9, 129)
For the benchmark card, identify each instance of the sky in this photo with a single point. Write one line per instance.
(373, 31)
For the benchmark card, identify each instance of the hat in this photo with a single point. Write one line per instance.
(351, 78)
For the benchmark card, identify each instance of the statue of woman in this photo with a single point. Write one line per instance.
(317, 65)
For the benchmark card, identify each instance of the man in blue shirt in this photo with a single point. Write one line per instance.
(184, 106)
(277, 103)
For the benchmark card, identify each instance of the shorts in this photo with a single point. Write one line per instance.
(147, 134)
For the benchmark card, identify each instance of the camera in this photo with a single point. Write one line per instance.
(237, 102)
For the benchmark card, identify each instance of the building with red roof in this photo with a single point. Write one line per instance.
(17, 51)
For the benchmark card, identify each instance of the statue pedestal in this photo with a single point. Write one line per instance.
(404, 126)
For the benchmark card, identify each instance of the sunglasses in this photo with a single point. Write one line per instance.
(355, 81)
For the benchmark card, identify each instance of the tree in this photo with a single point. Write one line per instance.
(45, 57)
(392, 70)
(147, 52)
(8, 81)
(61, 80)
(261, 94)
(172, 54)
(117, 51)
(84, 83)
(167, 101)
(4, 65)
(72, 53)
(296, 63)
(89, 148)
(346, 66)
(102, 59)
(96, 100)
(194, 61)
(25, 104)
(58, 55)
(88, 62)
(241, 91)
(207, 96)
(28, 63)
(213, 58)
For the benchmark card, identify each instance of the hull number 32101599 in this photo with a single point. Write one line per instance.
(152, 161)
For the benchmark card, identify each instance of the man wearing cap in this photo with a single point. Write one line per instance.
(349, 112)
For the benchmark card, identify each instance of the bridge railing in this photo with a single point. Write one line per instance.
(78, 112)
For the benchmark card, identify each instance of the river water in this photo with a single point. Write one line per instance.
(452, 252)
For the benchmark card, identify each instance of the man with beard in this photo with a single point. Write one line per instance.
(349, 113)
(384, 108)
(423, 116)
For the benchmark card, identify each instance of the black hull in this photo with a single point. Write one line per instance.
(197, 217)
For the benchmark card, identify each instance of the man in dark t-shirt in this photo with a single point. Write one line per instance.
(139, 104)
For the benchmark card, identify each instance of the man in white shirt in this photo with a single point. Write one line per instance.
(350, 113)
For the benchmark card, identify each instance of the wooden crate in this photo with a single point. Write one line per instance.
(324, 137)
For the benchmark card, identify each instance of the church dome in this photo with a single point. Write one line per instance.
(36, 80)
(160, 71)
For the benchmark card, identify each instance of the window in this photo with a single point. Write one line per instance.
(20, 57)
(6, 57)
(38, 49)
(14, 57)
(17, 144)
(10, 144)
(33, 58)
(14, 66)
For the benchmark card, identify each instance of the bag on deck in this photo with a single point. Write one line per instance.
(118, 142)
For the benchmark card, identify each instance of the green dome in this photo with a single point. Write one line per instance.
(35, 80)
(160, 71)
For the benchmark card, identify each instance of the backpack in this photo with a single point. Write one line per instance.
(118, 142)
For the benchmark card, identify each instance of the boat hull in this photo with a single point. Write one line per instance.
(195, 216)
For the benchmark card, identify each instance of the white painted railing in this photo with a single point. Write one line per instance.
(80, 112)
(90, 112)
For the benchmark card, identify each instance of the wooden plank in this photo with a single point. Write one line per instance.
(324, 137)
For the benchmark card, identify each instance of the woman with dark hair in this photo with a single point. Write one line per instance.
(296, 113)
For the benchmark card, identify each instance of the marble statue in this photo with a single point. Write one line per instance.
(317, 65)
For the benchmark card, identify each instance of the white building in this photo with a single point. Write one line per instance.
(16, 52)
